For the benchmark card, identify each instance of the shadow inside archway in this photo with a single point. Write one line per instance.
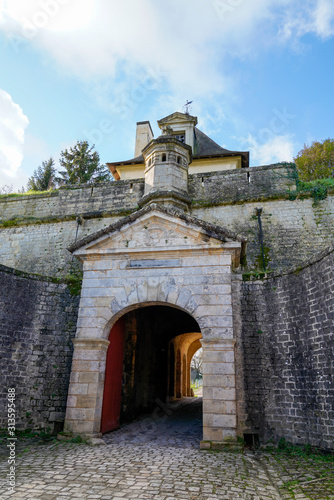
(178, 425)
(148, 362)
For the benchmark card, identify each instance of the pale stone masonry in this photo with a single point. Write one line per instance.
(158, 256)
(86, 386)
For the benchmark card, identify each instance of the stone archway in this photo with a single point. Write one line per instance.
(178, 372)
(184, 345)
(139, 368)
(193, 348)
(156, 256)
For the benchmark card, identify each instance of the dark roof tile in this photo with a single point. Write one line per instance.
(204, 147)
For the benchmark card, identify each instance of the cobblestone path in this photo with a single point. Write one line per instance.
(159, 458)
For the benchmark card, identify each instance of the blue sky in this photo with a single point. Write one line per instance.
(260, 74)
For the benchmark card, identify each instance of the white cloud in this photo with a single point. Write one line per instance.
(113, 44)
(186, 40)
(13, 123)
(317, 17)
(278, 148)
(324, 18)
(128, 52)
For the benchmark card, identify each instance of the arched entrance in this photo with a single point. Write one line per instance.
(156, 257)
(140, 364)
(185, 345)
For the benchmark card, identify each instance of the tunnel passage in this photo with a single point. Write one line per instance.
(142, 362)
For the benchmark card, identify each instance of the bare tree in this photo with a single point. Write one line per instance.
(196, 362)
(6, 189)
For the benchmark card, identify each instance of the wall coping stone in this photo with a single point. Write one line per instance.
(21, 221)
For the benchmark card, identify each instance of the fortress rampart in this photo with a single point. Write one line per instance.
(36, 230)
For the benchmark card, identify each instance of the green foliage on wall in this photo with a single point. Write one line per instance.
(317, 189)
(74, 280)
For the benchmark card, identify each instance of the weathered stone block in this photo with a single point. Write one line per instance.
(76, 389)
(80, 427)
(218, 368)
(212, 434)
(89, 377)
(224, 421)
(81, 414)
(85, 355)
(219, 381)
(212, 406)
(86, 402)
(218, 356)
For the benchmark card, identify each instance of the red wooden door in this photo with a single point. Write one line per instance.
(111, 407)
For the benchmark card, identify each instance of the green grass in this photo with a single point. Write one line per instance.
(28, 193)
(30, 437)
(306, 451)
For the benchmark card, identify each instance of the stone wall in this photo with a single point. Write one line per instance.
(37, 324)
(231, 186)
(286, 351)
(36, 230)
(70, 202)
(292, 230)
(111, 197)
(42, 248)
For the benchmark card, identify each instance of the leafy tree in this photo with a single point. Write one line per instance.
(316, 161)
(82, 165)
(43, 178)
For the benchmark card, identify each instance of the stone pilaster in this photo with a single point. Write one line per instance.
(219, 392)
(85, 395)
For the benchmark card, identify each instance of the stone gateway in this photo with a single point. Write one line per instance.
(171, 261)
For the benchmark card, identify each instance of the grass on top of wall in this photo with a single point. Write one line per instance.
(28, 193)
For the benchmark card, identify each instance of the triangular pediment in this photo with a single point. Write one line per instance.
(177, 118)
(156, 228)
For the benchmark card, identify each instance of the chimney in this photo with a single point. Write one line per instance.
(144, 135)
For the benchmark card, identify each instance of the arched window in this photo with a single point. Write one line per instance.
(179, 159)
(164, 158)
